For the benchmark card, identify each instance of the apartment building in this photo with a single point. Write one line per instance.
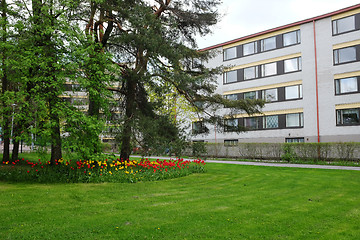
(307, 71)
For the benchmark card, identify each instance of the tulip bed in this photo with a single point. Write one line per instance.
(96, 171)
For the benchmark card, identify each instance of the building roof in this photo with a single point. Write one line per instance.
(283, 27)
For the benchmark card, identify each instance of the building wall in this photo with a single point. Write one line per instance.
(326, 71)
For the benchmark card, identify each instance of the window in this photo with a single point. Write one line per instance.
(251, 95)
(346, 85)
(231, 76)
(230, 53)
(231, 97)
(231, 142)
(196, 63)
(348, 116)
(249, 48)
(344, 25)
(271, 121)
(294, 140)
(271, 95)
(251, 122)
(251, 72)
(291, 38)
(292, 65)
(268, 69)
(268, 44)
(231, 125)
(294, 120)
(293, 92)
(198, 127)
(345, 55)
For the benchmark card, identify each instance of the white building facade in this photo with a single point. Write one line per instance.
(309, 74)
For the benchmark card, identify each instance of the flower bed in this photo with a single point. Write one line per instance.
(108, 170)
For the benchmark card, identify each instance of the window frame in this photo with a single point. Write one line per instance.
(202, 127)
(297, 35)
(229, 98)
(226, 77)
(257, 123)
(299, 91)
(265, 98)
(337, 85)
(298, 63)
(341, 122)
(263, 44)
(300, 140)
(231, 128)
(256, 95)
(263, 69)
(336, 55)
(227, 49)
(300, 118)
(231, 142)
(255, 46)
(256, 72)
(335, 22)
(265, 122)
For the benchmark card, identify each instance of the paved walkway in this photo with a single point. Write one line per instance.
(272, 164)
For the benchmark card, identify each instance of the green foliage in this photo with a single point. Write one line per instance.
(289, 154)
(198, 149)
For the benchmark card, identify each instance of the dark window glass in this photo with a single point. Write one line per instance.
(251, 95)
(251, 122)
(231, 125)
(231, 142)
(198, 127)
(294, 140)
(348, 116)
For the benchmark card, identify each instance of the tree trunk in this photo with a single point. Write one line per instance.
(56, 153)
(6, 128)
(6, 139)
(129, 115)
(15, 150)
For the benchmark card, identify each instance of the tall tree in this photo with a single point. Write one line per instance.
(5, 84)
(154, 46)
(48, 63)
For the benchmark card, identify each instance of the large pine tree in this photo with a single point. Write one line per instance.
(153, 45)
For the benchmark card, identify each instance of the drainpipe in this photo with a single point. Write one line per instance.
(317, 89)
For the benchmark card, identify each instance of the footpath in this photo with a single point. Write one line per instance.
(267, 164)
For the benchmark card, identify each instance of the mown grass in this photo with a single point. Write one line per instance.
(226, 202)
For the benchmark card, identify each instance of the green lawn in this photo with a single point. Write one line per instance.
(226, 202)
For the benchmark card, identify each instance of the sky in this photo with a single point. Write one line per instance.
(244, 17)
